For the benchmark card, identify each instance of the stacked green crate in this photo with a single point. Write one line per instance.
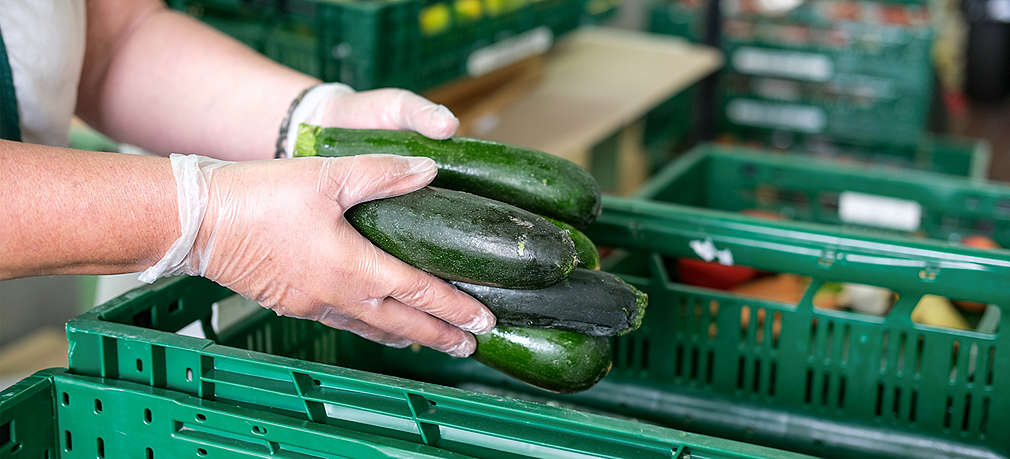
(668, 126)
(413, 44)
(851, 72)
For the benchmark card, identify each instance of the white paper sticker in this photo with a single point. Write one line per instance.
(706, 251)
(775, 115)
(791, 64)
(509, 50)
(880, 211)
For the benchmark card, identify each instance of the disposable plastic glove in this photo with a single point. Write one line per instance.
(335, 104)
(274, 232)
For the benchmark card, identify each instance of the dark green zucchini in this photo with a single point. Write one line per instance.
(591, 302)
(459, 236)
(530, 179)
(589, 257)
(555, 360)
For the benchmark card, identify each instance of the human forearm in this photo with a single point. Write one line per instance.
(74, 212)
(170, 84)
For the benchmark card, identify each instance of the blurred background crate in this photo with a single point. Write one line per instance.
(413, 44)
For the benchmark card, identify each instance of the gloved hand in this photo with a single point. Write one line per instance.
(337, 105)
(273, 231)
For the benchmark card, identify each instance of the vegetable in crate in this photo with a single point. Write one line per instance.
(530, 179)
(554, 360)
(711, 274)
(589, 257)
(463, 237)
(591, 302)
(937, 311)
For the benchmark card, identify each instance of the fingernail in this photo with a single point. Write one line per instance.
(444, 112)
(464, 348)
(399, 344)
(480, 324)
(419, 165)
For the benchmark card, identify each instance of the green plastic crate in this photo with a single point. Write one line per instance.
(832, 384)
(54, 414)
(826, 191)
(901, 54)
(893, 123)
(826, 13)
(378, 43)
(257, 405)
(669, 126)
(807, 76)
(963, 157)
(680, 19)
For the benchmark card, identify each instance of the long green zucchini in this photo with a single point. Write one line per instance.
(591, 302)
(536, 181)
(463, 237)
(589, 257)
(555, 360)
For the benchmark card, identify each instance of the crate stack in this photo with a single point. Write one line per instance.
(412, 44)
(839, 79)
(668, 127)
(842, 72)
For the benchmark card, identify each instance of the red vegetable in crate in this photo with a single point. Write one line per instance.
(711, 274)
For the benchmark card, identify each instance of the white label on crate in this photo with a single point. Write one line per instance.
(706, 251)
(879, 211)
(790, 64)
(509, 50)
(802, 118)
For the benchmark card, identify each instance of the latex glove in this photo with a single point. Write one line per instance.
(273, 231)
(337, 105)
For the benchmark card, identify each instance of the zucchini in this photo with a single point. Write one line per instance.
(530, 179)
(585, 249)
(554, 360)
(463, 237)
(591, 302)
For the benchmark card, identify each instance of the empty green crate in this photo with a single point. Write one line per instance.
(942, 207)
(831, 384)
(372, 44)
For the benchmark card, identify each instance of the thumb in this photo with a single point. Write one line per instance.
(356, 179)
